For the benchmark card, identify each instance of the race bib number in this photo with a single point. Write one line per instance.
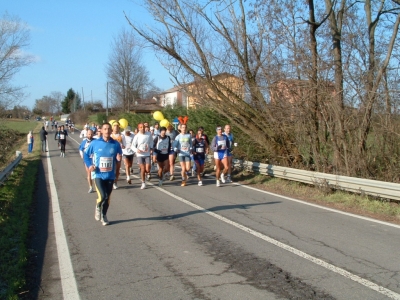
(185, 146)
(199, 150)
(106, 164)
(62, 136)
(143, 147)
(164, 148)
(222, 145)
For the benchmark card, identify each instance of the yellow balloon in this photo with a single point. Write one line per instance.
(111, 122)
(158, 116)
(123, 123)
(164, 123)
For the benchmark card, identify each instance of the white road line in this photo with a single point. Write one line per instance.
(68, 281)
(317, 261)
(321, 207)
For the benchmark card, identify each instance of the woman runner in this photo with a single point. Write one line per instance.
(162, 144)
(220, 145)
(200, 149)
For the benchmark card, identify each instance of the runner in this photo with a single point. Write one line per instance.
(61, 135)
(192, 162)
(153, 158)
(46, 124)
(117, 136)
(55, 125)
(57, 136)
(161, 146)
(220, 144)
(105, 153)
(98, 134)
(52, 125)
(94, 128)
(229, 135)
(83, 133)
(82, 148)
(127, 139)
(148, 132)
(172, 133)
(156, 128)
(142, 144)
(199, 150)
(183, 147)
(43, 138)
(208, 142)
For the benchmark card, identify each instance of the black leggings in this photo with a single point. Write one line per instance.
(104, 189)
(62, 145)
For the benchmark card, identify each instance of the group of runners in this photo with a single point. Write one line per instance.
(157, 145)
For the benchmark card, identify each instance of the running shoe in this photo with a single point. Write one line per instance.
(128, 180)
(104, 220)
(90, 190)
(97, 214)
(63, 154)
(143, 186)
(200, 183)
(115, 186)
(148, 177)
(183, 183)
(218, 183)
(171, 178)
(223, 178)
(228, 179)
(160, 182)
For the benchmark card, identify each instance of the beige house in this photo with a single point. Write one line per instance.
(194, 93)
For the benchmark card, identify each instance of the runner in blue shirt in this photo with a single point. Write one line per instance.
(105, 153)
(82, 148)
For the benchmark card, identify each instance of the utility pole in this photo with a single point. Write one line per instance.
(107, 102)
(83, 100)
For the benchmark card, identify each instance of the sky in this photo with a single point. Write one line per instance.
(71, 42)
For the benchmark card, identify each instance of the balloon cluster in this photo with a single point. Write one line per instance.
(123, 123)
(158, 116)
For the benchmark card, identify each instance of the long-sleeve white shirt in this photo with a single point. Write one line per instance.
(142, 142)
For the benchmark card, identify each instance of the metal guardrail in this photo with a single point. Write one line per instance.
(382, 189)
(8, 170)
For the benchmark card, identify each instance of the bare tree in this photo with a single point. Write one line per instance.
(312, 73)
(14, 37)
(128, 77)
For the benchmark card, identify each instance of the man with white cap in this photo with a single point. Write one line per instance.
(127, 152)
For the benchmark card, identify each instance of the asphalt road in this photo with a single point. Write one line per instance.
(193, 242)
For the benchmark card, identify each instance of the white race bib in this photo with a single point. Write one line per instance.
(143, 147)
(222, 145)
(199, 150)
(106, 164)
(62, 136)
(185, 146)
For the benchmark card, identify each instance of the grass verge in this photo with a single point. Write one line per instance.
(16, 196)
(16, 199)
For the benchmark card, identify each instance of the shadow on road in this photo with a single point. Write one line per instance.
(193, 212)
(38, 235)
